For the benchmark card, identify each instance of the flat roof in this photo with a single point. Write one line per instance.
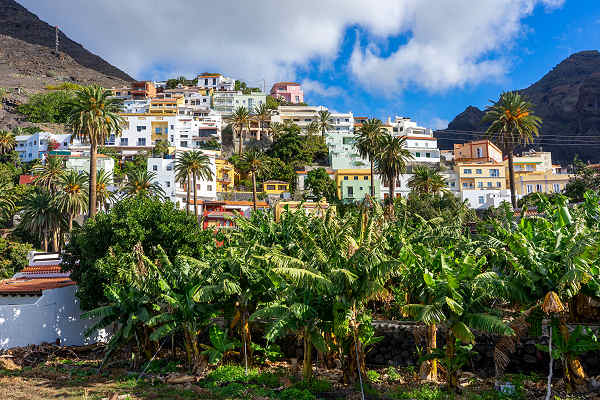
(34, 286)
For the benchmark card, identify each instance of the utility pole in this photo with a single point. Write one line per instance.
(56, 39)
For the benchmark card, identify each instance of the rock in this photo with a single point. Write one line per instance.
(8, 364)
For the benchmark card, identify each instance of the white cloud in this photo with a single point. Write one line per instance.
(449, 44)
(438, 123)
(314, 87)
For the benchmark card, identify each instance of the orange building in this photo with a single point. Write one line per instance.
(477, 151)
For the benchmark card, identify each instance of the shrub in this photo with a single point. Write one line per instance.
(13, 257)
(373, 376)
(296, 394)
(314, 385)
(267, 379)
(231, 373)
(50, 107)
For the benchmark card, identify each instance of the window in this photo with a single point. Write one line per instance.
(350, 191)
(478, 171)
(172, 126)
(345, 178)
(556, 187)
(158, 130)
(479, 152)
(209, 188)
(366, 177)
(124, 141)
(356, 178)
(155, 168)
(168, 183)
(498, 184)
(169, 167)
(361, 188)
(538, 188)
(141, 141)
(465, 184)
(270, 187)
(481, 199)
(184, 144)
(452, 184)
(529, 188)
(141, 128)
(480, 184)
(467, 171)
(428, 155)
(281, 187)
(494, 172)
(489, 184)
(418, 154)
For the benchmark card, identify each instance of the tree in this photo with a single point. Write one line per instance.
(147, 221)
(47, 175)
(183, 174)
(253, 159)
(312, 128)
(277, 129)
(104, 196)
(320, 185)
(160, 148)
(94, 117)
(13, 257)
(390, 162)
(426, 180)
(512, 124)
(7, 143)
(200, 167)
(7, 201)
(368, 140)
(51, 107)
(585, 178)
(241, 120)
(71, 199)
(324, 120)
(262, 115)
(143, 183)
(42, 217)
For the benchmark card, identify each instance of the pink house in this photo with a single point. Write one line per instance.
(288, 91)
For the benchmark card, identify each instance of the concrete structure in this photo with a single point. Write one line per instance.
(36, 146)
(477, 151)
(419, 141)
(226, 102)
(39, 305)
(290, 92)
(136, 106)
(535, 173)
(164, 174)
(80, 162)
(354, 184)
(318, 208)
(226, 175)
(135, 91)
(276, 188)
(166, 105)
(216, 82)
(299, 115)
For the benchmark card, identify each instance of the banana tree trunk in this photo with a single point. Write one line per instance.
(450, 354)
(188, 348)
(55, 241)
(307, 363)
(246, 339)
(575, 376)
(429, 368)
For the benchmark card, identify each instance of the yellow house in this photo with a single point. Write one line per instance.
(484, 175)
(534, 172)
(275, 187)
(226, 175)
(310, 208)
(166, 105)
(160, 130)
(354, 184)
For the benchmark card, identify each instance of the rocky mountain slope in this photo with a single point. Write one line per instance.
(28, 62)
(568, 101)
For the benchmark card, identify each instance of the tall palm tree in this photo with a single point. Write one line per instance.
(277, 129)
(104, 196)
(261, 114)
(368, 139)
(312, 128)
(7, 142)
(183, 174)
(94, 117)
(141, 182)
(41, 217)
(241, 120)
(71, 199)
(390, 162)
(200, 167)
(512, 124)
(324, 121)
(7, 201)
(427, 180)
(253, 158)
(47, 175)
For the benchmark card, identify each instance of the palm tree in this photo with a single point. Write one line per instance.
(368, 140)
(183, 174)
(47, 175)
(41, 217)
(277, 129)
(200, 167)
(19, 130)
(71, 199)
(312, 128)
(94, 117)
(390, 162)
(7, 142)
(512, 124)
(241, 120)
(427, 181)
(253, 158)
(324, 121)
(261, 114)
(7, 201)
(103, 194)
(141, 182)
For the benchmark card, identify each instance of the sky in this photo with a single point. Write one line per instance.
(424, 59)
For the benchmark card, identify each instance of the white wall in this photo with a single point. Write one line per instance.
(55, 315)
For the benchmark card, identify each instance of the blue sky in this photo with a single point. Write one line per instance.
(427, 59)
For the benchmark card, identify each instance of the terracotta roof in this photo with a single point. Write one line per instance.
(277, 182)
(220, 214)
(26, 179)
(42, 269)
(286, 83)
(32, 286)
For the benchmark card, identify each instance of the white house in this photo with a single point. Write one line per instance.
(226, 102)
(484, 199)
(419, 141)
(39, 305)
(164, 174)
(216, 82)
(35, 147)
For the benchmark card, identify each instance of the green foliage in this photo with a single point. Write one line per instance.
(423, 392)
(314, 385)
(580, 341)
(230, 374)
(320, 185)
(13, 257)
(373, 376)
(296, 394)
(221, 345)
(585, 178)
(52, 107)
(211, 144)
(147, 221)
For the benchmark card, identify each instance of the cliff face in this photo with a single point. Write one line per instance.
(567, 99)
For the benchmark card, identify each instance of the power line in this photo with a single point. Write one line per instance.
(480, 133)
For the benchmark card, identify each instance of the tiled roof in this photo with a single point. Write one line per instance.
(32, 286)
(26, 179)
(42, 269)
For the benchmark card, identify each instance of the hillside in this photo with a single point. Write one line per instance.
(567, 99)
(28, 60)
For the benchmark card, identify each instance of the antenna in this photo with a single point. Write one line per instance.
(56, 39)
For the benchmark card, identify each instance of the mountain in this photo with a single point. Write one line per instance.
(567, 99)
(28, 60)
